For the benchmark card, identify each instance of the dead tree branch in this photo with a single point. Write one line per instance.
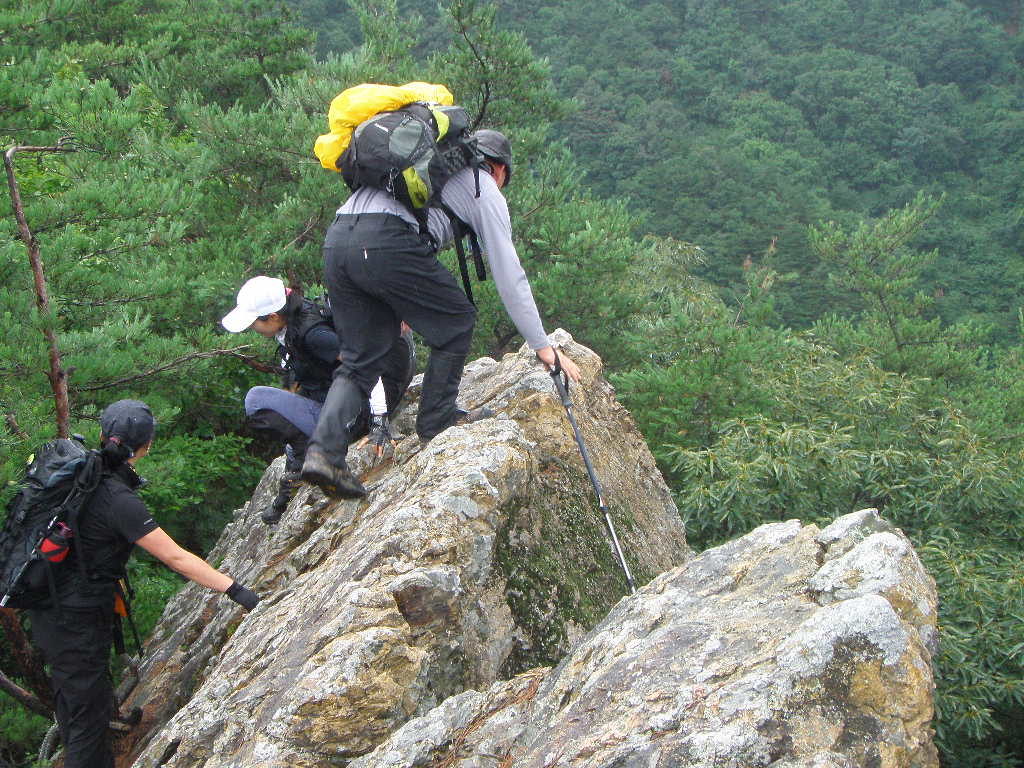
(23, 697)
(192, 356)
(57, 375)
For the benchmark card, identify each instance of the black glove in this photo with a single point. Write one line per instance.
(244, 596)
(380, 433)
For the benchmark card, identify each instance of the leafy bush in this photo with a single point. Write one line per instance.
(197, 482)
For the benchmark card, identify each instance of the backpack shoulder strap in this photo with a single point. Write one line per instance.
(87, 480)
(461, 229)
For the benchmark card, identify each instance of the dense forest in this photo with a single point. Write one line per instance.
(793, 231)
(738, 125)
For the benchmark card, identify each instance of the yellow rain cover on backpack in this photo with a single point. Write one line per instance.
(361, 102)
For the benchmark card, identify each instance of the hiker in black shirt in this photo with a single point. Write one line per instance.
(309, 347)
(76, 635)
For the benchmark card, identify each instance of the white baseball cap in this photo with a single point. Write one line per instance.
(259, 296)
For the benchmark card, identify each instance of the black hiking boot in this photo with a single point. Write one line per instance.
(438, 392)
(337, 482)
(290, 481)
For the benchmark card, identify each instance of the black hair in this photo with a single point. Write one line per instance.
(292, 304)
(114, 452)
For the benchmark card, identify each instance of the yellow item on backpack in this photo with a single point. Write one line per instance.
(361, 102)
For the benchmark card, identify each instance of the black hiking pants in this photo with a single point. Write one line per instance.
(379, 272)
(76, 646)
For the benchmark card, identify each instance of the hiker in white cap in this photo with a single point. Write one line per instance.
(309, 345)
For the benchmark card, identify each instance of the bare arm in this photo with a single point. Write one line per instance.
(166, 550)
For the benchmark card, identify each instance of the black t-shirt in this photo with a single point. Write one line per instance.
(110, 524)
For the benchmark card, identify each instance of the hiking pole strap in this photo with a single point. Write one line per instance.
(459, 230)
(561, 380)
(464, 269)
(478, 256)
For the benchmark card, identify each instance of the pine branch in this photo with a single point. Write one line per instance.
(311, 224)
(110, 384)
(486, 85)
(107, 302)
(258, 365)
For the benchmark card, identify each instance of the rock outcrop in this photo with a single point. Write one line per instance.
(473, 559)
(469, 614)
(787, 648)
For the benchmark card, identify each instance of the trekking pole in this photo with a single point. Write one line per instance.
(562, 386)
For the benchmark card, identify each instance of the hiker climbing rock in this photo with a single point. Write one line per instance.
(76, 627)
(381, 266)
(309, 343)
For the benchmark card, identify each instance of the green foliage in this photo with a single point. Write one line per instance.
(873, 446)
(886, 409)
(735, 126)
(23, 732)
(200, 482)
(154, 584)
(704, 359)
(494, 72)
(982, 690)
(955, 493)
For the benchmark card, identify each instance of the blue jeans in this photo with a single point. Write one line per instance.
(300, 411)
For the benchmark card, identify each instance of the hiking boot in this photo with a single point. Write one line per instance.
(289, 483)
(337, 482)
(440, 388)
(465, 417)
(473, 415)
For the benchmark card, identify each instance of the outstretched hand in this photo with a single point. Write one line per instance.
(244, 596)
(547, 356)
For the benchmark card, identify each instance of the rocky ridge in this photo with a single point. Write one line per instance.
(473, 559)
(470, 613)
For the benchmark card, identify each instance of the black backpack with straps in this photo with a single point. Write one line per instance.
(296, 368)
(42, 520)
(411, 153)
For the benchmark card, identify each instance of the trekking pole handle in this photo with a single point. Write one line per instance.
(561, 379)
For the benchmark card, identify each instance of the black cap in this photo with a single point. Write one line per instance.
(130, 421)
(496, 146)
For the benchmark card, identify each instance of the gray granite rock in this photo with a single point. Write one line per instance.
(761, 652)
(473, 559)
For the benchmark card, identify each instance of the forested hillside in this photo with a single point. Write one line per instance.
(736, 125)
(850, 170)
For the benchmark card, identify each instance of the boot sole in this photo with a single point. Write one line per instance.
(334, 489)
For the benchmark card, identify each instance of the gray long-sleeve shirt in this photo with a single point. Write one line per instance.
(488, 217)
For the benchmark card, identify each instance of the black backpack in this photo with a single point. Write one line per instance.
(411, 153)
(42, 520)
(314, 374)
